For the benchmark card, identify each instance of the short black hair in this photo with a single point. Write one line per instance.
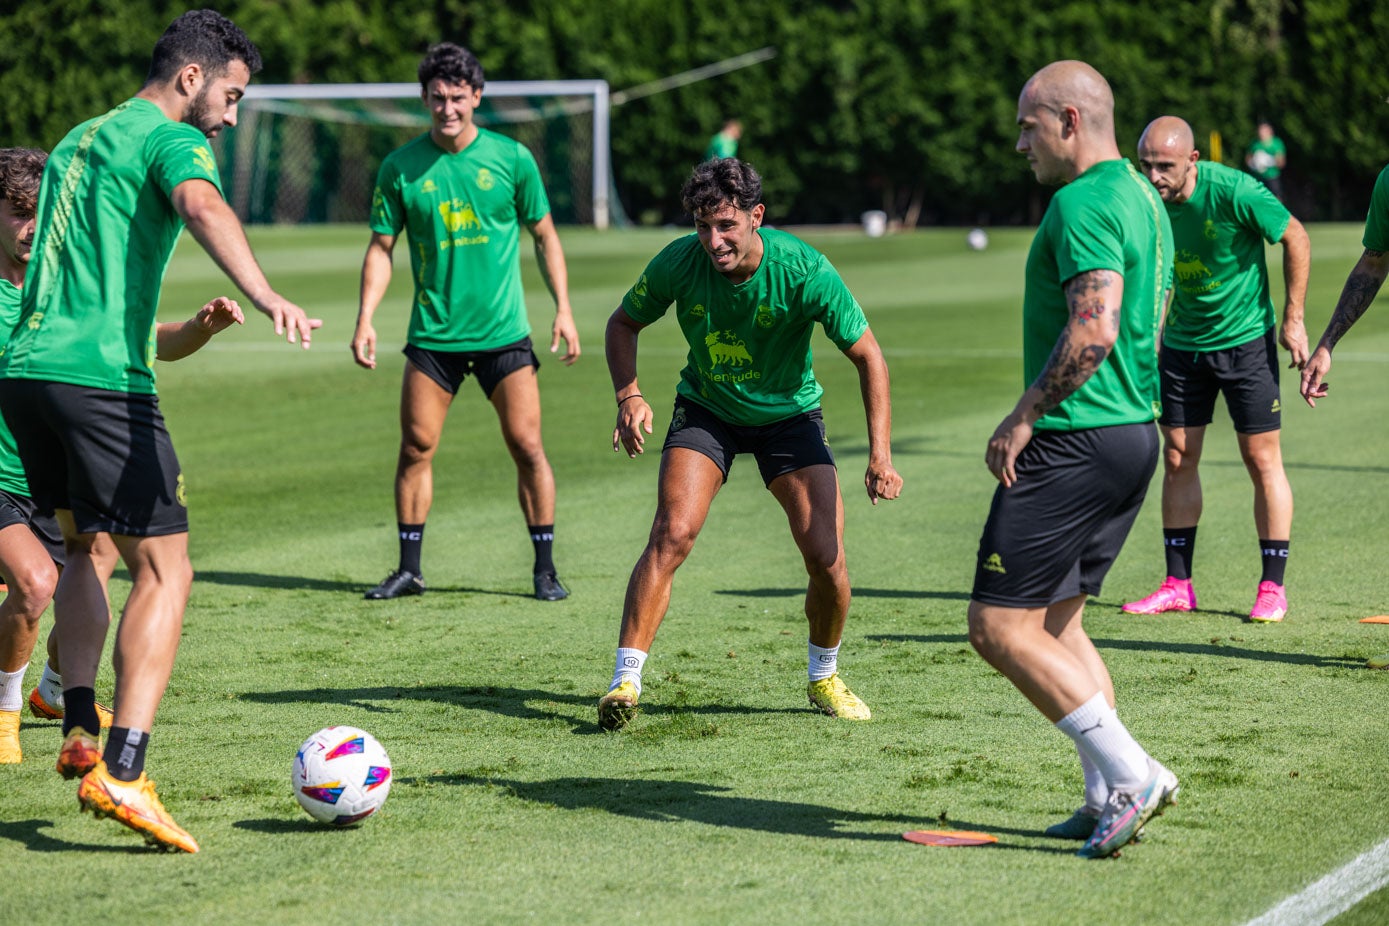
(205, 38)
(21, 169)
(719, 181)
(453, 64)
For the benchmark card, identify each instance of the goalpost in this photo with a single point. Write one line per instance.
(310, 152)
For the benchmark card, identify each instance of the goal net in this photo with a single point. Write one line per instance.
(304, 153)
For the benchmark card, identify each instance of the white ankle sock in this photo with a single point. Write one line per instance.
(1099, 734)
(12, 690)
(822, 662)
(51, 687)
(629, 665)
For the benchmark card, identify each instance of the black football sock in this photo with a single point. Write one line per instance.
(125, 753)
(1178, 545)
(79, 710)
(543, 539)
(411, 539)
(1275, 555)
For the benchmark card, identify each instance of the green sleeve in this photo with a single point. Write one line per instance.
(532, 204)
(387, 206)
(1256, 207)
(832, 305)
(1087, 237)
(649, 299)
(179, 152)
(1377, 222)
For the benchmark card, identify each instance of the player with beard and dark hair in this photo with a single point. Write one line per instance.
(77, 387)
(747, 300)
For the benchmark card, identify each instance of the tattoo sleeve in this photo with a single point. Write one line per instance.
(1360, 290)
(1084, 342)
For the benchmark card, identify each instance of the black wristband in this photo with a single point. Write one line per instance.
(635, 395)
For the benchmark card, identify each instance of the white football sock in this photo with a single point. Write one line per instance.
(51, 687)
(629, 665)
(12, 689)
(1099, 734)
(1096, 791)
(822, 663)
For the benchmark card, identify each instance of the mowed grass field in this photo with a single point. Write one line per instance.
(727, 801)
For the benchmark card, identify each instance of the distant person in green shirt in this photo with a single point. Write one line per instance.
(461, 194)
(1363, 284)
(747, 300)
(1074, 457)
(31, 542)
(724, 144)
(1219, 339)
(1266, 158)
(77, 387)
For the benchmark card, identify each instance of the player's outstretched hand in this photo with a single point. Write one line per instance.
(364, 345)
(219, 315)
(1314, 385)
(1293, 336)
(565, 329)
(290, 320)
(882, 481)
(633, 417)
(1001, 456)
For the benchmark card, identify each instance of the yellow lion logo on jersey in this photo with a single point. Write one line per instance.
(459, 215)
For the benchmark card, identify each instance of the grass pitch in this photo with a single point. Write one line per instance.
(727, 801)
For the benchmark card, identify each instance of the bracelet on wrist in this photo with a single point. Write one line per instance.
(635, 395)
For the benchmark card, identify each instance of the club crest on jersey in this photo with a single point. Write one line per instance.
(485, 180)
(766, 316)
(697, 310)
(429, 186)
(1208, 230)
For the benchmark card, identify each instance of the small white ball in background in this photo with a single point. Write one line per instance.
(977, 239)
(1262, 161)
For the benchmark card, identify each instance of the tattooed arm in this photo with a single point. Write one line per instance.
(1361, 287)
(1095, 299)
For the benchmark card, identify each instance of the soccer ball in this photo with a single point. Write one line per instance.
(977, 239)
(341, 776)
(1262, 161)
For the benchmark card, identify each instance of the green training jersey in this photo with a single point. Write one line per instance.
(1377, 222)
(1108, 218)
(106, 230)
(11, 470)
(1221, 297)
(462, 214)
(1275, 149)
(750, 357)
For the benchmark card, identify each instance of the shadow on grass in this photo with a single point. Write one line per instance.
(279, 826)
(304, 583)
(1150, 646)
(663, 801)
(858, 593)
(28, 834)
(523, 703)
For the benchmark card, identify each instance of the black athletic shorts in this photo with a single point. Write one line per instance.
(780, 447)
(449, 368)
(1247, 373)
(1056, 531)
(20, 509)
(104, 455)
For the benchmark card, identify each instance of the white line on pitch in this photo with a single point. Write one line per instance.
(1333, 895)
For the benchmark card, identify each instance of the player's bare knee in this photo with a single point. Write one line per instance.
(31, 590)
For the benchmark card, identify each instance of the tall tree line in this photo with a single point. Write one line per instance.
(905, 105)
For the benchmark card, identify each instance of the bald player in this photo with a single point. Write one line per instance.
(1075, 455)
(1218, 339)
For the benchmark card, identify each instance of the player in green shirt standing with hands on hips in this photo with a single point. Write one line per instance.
(1219, 338)
(461, 193)
(747, 300)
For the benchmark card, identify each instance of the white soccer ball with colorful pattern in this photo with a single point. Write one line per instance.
(341, 775)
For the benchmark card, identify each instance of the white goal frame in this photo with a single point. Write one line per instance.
(579, 96)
